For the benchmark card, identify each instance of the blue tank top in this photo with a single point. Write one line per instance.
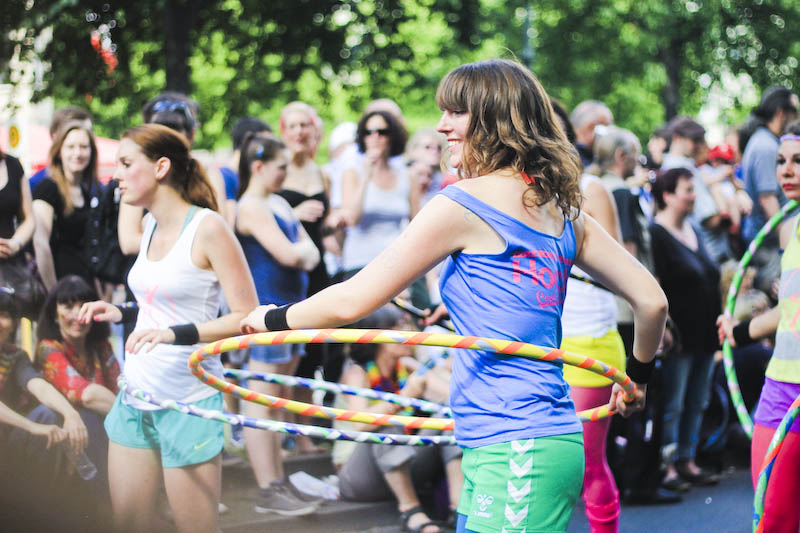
(275, 283)
(517, 295)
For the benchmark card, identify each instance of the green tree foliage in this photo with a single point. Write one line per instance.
(648, 60)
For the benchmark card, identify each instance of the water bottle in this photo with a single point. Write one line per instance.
(83, 465)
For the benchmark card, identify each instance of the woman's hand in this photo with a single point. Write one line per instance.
(309, 210)
(9, 248)
(76, 431)
(51, 432)
(99, 311)
(725, 330)
(254, 321)
(439, 313)
(618, 404)
(148, 339)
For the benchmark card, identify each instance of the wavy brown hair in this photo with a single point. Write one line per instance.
(88, 177)
(512, 124)
(186, 174)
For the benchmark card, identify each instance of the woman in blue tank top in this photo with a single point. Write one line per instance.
(509, 231)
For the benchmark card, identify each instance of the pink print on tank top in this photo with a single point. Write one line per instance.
(547, 271)
(151, 305)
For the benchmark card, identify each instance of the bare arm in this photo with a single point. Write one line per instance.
(41, 242)
(27, 226)
(98, 398)
(600, 204)
(73, 426)
(439, 229)
(257, 219)
(355, 376)
(608, 262)
(129, 228)
(353, 190)
(769, 204)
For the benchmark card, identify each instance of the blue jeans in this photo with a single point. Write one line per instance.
(687, 387)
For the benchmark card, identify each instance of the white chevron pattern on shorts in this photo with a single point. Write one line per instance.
(517, 494)
(516, 518)
(518, 470)
(524, 529)
(521, 447)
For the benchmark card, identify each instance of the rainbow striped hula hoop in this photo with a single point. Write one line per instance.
(769, 461)
(730, 304)
(338, 388)
(376, 336)
(285, 427)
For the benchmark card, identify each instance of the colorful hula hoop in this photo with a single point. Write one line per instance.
(730, 304)
(338, 388)
(769, 461)
(285, 427)
(374, 336)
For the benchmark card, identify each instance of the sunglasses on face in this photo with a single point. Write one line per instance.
(383, 132)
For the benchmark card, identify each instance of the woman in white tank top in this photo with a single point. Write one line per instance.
(186, 256)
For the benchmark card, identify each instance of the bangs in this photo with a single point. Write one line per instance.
(72, 290)
(452, 92)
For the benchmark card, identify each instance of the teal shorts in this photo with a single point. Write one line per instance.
(523, 485)
(182, 439)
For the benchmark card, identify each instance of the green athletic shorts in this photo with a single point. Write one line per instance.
(183, 439)
(522, 485)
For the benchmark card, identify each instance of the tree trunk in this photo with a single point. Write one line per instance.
(179, 18)
(671, 58)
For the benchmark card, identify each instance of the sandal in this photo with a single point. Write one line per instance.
(405, 516)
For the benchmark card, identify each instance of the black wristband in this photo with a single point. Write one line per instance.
(639, 372)
(275, 319)
(130, 310)
(741, 333)
(185, 334)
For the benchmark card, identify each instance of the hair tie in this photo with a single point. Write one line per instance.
(790, 137)
(259, 151)
(528, 179)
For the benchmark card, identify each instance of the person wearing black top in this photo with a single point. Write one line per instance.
(690, 279)
(61, 205)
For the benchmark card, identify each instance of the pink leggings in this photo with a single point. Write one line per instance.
(781, 509)
(600, 495)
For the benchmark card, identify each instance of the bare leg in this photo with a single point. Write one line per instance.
(194, 492)
(134, 480)
(455, 481)
(399, 480)
(263, 447)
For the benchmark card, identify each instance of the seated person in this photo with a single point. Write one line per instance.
(36, 423)
(369, 472)
(78, 360)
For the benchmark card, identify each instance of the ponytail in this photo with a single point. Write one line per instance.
(186, 175)
(255, 147)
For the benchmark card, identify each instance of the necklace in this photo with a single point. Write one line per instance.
(383, 384)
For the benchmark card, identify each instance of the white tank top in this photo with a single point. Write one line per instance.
(589, 311)
(170, 292)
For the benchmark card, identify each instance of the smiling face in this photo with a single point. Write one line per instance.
(376, 136)
(454, 125)
(71, 327)
(135, 173)
(788, 169)
(76, 152)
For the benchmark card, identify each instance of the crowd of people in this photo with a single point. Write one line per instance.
(565, 235)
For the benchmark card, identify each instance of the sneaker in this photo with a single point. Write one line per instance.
(299, 494)
(278, 499)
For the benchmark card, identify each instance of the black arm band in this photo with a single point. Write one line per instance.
(130, 310)
(185, 334)
(741, 333)
(639, 372)
(275, 319)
